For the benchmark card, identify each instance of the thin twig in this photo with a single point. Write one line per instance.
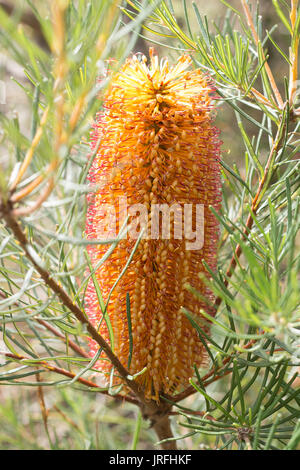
(67, 419)
(266, 65)
(293, 54)
(35, 183)
(254, 208)
(14, 226)
(66, 373)
(56, 332)
(24, 211)
(70, 343)
(43, 406)
(51, 368)
(30, 151)
(205, 379)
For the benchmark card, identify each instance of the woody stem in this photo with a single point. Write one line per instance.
(163, 431)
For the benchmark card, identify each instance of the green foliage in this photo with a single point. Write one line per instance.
(248, 396)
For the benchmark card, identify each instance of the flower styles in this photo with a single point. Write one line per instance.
(159, 151)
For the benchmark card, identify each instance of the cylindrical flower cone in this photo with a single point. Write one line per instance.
(158, 164)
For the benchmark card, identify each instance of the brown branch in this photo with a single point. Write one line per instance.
(266, 65)
(57, 370)
(56, 332)
(205, 379)
(202, 414)
(42, 405)
(163, 430)
(254, 207)
(6, 210)
(66, 373)
(30, 152)
(23, 211)
(70, 343)
(67, 418)
(294, 56)
(191, 390)
(157, 413)
(35, 183)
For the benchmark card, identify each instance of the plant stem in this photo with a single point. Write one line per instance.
(56, 332)
(267, 67)
(66, 300)
(255, 205)
(164, 432)
(157, 413)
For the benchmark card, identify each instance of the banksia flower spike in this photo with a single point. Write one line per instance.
(158, 162)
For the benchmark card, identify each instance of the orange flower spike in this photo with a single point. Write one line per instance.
(158, 151)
